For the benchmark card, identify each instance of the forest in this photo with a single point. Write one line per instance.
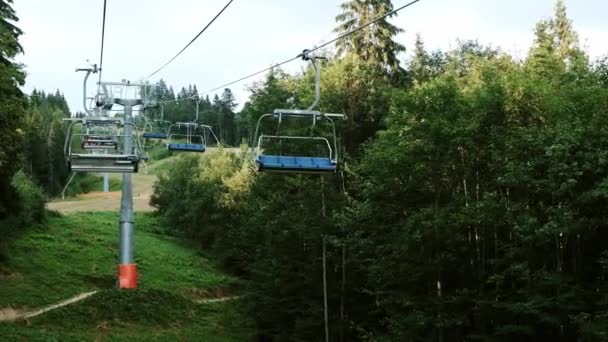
(470, 204)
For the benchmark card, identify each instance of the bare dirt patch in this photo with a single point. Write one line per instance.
(11, 314)
(109, 201)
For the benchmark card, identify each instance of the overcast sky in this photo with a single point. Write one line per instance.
(141, 35)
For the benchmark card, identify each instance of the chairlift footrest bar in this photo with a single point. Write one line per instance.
(161, 136)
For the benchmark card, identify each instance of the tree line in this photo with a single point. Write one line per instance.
(470, 205)
(218, 112)
(33, 132)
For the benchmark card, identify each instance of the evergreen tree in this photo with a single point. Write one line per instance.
(565, 38)
(542, 57)
(419, 65)
(374, 44)
(228, 104)
(555, 50)
(12, 104)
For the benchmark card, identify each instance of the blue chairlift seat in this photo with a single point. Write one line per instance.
(295, 164)
(151, 135)
(186, 147)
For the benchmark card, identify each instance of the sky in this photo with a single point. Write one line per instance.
(141, 35)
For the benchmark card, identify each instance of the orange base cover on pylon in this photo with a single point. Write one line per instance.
(127, 276)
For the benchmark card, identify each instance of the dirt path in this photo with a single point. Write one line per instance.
(13, 314)
(217, 300)
(142, 191)
(10, 314)
(110, 201)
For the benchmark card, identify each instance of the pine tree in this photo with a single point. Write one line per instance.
(162, 92)
(12, 103)
(375, 43)
(542, 58)
(228, 100)
(565, 38)
(556, 46)
(419, 65)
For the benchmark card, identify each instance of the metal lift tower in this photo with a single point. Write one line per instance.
(124, 160)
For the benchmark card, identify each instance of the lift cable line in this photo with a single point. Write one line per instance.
(357, 29)
(103, 36)
(254, 74)
(193, 39)
(344, 35)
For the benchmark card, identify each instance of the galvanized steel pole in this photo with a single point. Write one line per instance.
(127, 269)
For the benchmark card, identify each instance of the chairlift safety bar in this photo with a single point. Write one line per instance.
(307, 113)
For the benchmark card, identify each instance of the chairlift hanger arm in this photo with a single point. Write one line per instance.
(197, 108)
(88, 71)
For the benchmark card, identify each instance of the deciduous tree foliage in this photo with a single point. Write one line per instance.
(472, 206)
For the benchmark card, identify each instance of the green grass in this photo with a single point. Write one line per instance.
(89, 182)
(78, 253)
(122, 316)
(159, 166)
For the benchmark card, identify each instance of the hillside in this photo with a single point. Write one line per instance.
(77, 253)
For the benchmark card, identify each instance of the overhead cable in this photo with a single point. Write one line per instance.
(103, 38)
(193, 40)
(344, 35)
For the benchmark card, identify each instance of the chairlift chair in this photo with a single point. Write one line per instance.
(321, 163)
(317, 164)
(193, 138)
(159, 131)
(155, 134)
(93, 156)
(189, 137)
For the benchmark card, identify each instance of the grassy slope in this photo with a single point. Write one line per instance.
(78, 253)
